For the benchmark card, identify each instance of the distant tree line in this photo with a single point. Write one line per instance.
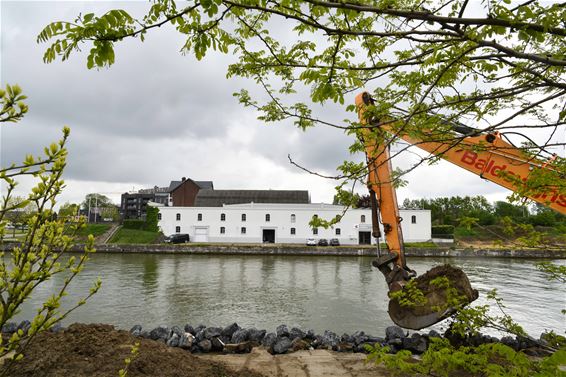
(455, 210)
(452, 210)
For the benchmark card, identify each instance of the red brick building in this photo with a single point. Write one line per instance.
(183, 193)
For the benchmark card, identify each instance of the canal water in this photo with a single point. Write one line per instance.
(342, 294)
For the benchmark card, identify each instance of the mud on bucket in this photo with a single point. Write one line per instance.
(431, 297)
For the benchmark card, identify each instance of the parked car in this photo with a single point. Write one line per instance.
(311, 242)
(178, 238)
(334, 242)
(323, 242)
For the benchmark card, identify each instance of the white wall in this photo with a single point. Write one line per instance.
(208, 230)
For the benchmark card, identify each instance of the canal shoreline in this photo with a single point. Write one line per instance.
(301, 250)
(346, 251)
(291, 352)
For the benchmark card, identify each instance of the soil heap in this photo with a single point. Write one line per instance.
(100, 350)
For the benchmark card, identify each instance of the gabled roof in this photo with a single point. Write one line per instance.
(174, 184)
(202, 184)
(217, 198)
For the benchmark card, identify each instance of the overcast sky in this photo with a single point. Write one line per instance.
(157, 116)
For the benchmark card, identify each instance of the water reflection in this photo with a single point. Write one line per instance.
(149, 274)
(343, 294)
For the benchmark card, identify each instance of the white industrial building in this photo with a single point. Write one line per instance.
(282, 223)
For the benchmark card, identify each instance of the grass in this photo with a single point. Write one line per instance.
(134, 236)
(383, 245)
(420, 244)
(94, 229)
(461, 232)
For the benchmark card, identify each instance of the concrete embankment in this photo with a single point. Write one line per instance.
(300, 250)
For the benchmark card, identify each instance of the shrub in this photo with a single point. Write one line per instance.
(149, 224)
(151, 219)
(443, 230)
(133, 224)
(40, 255)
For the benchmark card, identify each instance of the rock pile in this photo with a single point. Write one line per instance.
(234, 339)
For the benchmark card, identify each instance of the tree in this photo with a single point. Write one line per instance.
(364, 201)
(21, 210)
(98, 206)
(96, 201)
(451, 210)
(496, 65)
(68, 210)
(40, 254)
(111, 212)
(345, 198)
(546, 217)
(515, 212)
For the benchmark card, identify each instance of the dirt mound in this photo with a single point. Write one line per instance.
(435, 305)
(100, 350)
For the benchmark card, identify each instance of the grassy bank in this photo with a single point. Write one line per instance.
(94, 229)
(498, 236)
(134, 236)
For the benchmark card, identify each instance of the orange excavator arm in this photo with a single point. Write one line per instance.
(486, 155)
(385, 209)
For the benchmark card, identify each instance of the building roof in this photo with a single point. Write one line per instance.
(154, 190)
(174, 184)
(218, 198)
(202, 184)
(206, 185)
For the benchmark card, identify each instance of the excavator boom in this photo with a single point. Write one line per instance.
(486, 155)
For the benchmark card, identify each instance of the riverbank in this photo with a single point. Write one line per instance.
(99, 349)
(300, 250)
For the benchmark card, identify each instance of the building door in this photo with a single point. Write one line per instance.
(201, 235)
(269, 235)
(364, 238)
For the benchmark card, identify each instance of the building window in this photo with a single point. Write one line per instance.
(293, 231)
(178, 217)
(199, 217)
(222, 230)
(158, 216)
(243, 230)
(315, 231)
(177, 229)
(413, 219)
(267, 217)
(243, 217)
(338, 231)
(222, 217)
(293, 218)
(363, 218)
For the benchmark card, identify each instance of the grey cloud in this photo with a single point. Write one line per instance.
(155, 115)
(149, 89)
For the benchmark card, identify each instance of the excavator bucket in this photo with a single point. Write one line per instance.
(444, 289)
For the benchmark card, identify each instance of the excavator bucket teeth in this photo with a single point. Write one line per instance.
(439, 286)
